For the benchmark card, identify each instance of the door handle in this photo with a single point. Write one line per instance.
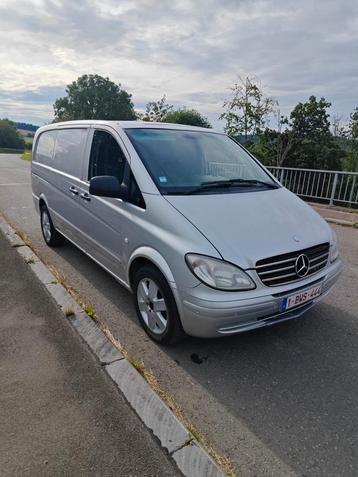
(85, 196)
(73, 190)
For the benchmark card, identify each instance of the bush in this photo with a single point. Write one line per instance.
(189, 117)
(9, 137)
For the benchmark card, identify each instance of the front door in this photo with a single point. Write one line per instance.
(102, 221)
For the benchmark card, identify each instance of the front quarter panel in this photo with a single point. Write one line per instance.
(162, 235)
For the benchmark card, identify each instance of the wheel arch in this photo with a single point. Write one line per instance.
(42, 201)
(148, 255)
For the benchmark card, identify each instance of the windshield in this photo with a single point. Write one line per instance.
(184, 162)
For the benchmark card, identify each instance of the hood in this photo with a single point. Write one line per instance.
(246, 227)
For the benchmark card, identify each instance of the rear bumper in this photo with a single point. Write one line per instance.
(221, 318)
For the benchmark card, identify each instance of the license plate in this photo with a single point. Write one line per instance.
(300, 297)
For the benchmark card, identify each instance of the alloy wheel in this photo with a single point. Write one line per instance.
(46, 225)
(152, 306)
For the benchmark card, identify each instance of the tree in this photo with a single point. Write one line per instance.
(9, 137)
(285, 141)
(353, 124)
(351, 161)
(247, 109)
(156, 110)
(94, 97)
(339, 128)
(313, 144)
(310, 120)
(272, 147)
(303, 141)
(190, 117)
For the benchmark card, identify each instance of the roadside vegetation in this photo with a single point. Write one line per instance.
(308, 137)
(95, 97)
(9, 136)
(13, 141)
(26, 156)
(305, 138)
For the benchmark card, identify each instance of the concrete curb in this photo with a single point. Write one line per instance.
(191, 458)
(324, 211)
(345, 223)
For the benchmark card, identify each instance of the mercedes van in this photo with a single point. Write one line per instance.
(207, 240)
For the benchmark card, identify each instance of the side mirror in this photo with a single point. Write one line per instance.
(108, 186)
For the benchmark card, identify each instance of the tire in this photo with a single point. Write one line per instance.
(49, 233)
(155, 306)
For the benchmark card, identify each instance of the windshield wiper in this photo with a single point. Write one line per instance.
(241, 181)
(231, 183)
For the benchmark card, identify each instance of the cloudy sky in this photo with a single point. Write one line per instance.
(191, 50)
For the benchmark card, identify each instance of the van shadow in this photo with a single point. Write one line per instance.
(294, 385)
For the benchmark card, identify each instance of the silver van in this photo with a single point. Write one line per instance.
(207, 240)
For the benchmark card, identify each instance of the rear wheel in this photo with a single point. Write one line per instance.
(156, 307)
(49, 233)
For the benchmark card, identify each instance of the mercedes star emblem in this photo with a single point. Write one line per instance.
(302, 265)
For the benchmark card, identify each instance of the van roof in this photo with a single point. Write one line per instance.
(129, 124)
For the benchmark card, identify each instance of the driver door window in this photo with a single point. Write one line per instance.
(107, 158)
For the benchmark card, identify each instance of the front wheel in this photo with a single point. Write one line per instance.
(156, 307)
(50, 234)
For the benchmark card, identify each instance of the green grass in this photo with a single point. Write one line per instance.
(27, 155)
(91, 312)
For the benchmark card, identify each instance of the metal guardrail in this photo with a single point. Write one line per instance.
(333, 186)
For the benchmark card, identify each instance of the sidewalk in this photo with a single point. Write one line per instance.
(333, 214)
(60, 414)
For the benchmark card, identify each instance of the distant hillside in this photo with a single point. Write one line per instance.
(26, 129)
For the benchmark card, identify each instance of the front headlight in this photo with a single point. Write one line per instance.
(333, 251)
(218, 274)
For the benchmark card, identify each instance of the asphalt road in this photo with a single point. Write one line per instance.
(281, 401)
(60, 413)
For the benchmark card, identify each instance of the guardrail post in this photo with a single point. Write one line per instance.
(352, 189)
(281, 175)
(333, 188)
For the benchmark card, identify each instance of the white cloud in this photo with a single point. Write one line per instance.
(191, 50)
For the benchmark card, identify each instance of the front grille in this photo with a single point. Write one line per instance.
(281, 269)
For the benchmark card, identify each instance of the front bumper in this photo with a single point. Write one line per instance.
(215, 317)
